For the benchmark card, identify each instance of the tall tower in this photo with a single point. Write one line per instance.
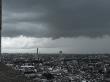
(37, 51)
(36, 55)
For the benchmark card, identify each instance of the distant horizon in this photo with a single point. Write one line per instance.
(34, 51)
(63, 53)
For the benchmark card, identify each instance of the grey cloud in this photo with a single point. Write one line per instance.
(60, 18)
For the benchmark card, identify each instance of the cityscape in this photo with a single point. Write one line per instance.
(60, 67)
(55, 41)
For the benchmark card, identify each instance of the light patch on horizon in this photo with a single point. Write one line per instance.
(48, 45)
(23, 42)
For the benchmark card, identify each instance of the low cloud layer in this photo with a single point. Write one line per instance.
(56, 18)
(48, 45)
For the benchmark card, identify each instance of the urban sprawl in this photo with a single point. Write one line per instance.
(60, 67)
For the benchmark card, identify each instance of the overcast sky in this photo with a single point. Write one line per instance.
(74, 26)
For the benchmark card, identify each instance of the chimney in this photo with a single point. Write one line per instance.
(37, 51)
(36, 55)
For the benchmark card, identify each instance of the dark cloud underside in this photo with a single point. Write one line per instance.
(56, 18)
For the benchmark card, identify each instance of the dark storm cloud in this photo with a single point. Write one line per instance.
(56, 18)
